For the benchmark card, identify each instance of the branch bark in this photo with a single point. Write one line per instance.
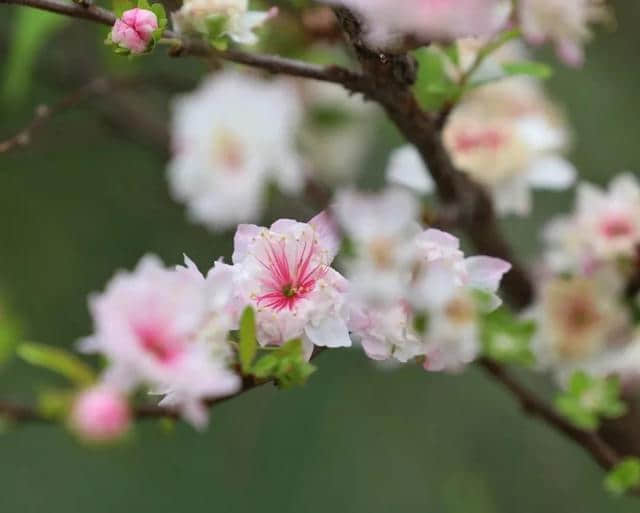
(184, 46)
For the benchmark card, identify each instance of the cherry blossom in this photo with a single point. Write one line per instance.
(510, 138)
(149, 324)
(563, 22)
(604, 227)
(392, 25)
(100, 414)
(231, 137)
(412, 290)
(284, 273)
(134, 29)
(238, 22)
(583, 324)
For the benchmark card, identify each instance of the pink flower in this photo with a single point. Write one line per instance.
(100, 414)
(163, 328)
(389, 24)
(283, 271)
(563, 22)
(134, 29)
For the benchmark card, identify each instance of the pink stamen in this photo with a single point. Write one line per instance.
(288, 282)
(616, 226)
(490, 139)
(163, 348)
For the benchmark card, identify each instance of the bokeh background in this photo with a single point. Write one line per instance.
(88, 196)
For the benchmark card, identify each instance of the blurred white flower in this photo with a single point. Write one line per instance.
(379, 228)
(390, 25)
(584, 325)
(407, 168)
(509, 138)
(604, 228)
(231, 137)
(563, 22)
(229, 17)
(413, 292)
(336, 132)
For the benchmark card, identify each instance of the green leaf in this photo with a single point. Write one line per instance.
(529, 68)
(433, 86)
(507, 339)
(31, 30)
(217, 26)
(265, 366)
(286, 365)
(57, 360)
(587, 399)
(248, 345)
(623, 477)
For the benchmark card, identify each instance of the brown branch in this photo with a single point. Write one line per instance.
(605, 455)
(392, 77)
(183, 46)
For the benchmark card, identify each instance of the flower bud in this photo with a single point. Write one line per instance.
(134, 30)
(100, 414)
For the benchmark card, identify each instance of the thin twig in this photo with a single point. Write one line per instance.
(605, 455)
(44, 113)
(183, 46)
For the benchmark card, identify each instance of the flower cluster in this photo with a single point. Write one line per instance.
(394, 26)
(413, 292)
(390, 25)
(231, 138)
(218, 18)
(588, 303)
(505, 134)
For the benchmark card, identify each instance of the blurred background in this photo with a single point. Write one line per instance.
(88, 195)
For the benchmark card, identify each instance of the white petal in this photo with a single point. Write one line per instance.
(407, 168)
(330, 332)
(551, 172)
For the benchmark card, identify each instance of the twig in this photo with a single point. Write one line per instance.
(43, 112)
(270, 63)
(605, 455)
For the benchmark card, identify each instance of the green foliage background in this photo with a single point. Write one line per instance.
(82, 201)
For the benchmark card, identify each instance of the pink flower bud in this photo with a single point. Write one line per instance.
(100, 414)
(133, 31)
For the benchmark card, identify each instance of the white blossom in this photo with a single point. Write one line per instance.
(231, 137)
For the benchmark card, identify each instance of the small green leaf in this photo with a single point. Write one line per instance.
(529, 68)
(248, 345)
(265, 366)
(57, 360)
(507, 339)
(217, 26)
(587, 399)
(623, 477)
(286, 365)
(433, 86)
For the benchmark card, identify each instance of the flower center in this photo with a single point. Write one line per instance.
(161, 347)
(290, 274)
(617, 226)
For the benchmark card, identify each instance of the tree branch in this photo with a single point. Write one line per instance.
(183, 46)
(605, 455)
